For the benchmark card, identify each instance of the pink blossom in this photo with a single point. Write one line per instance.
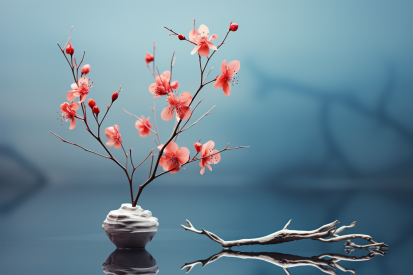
(142, 126)
(198, 146)
(228, 75)
(180, 105)
(112, 133)
(209, 156)
(149, 58)
(69, 112)
(161, 86)
(85, 69)
(200, 38)
(174, 157)
(81, 89)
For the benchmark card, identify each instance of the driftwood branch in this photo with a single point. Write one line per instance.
(326, 233)
(286, 261)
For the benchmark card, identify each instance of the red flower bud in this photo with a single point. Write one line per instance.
(233, 27)
(91, 103)
(115, 96)
(181, 37)
(198, 146)
(96, 110)
(86, 69)
(69, 49)
(148, 58)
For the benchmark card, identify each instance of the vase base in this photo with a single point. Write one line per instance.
(127, 240)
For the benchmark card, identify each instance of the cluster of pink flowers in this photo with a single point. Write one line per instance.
(171, 157)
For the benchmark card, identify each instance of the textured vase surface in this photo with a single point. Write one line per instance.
(130, 227)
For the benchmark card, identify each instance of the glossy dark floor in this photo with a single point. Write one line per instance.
(56, 234)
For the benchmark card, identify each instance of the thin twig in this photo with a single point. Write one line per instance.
(178, 34)
(207, 113)
(79, 146)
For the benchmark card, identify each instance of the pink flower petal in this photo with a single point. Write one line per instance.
(209, 166)
(158, 80)
(203, 31)
(152, 88)
(74, 106)
(215, 158)
(70, 96)
(83, 81)
(170, 150)
(72, 123)
(110, 143)
(167, 76)
(233, 67)
(176, 168)
(213, 37)
(185, 98)
(202, 171)
(168, 113)
(109, 132)
(184, 112)
(116, 127)
(212, 46)
(117, 144)
(196, 49)
(193, 35)
(224, 67)
(74, 86)
(174, 85)
(209, 145)
(182, 154)
(220, 81)
(82, 98)
(203, 50)
(162, 161)
(227, 88)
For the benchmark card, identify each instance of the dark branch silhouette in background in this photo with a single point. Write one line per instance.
(20, 179)
(330, 101)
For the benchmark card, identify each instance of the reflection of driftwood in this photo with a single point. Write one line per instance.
(286, 261)
(286, 235)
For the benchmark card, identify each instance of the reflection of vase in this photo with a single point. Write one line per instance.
(130, 227)
(131, 261)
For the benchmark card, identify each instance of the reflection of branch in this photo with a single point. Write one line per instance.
(287, 235)
(286, 261)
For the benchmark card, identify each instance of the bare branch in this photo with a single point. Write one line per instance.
(207, 113)
(87, 150)
(208, 74)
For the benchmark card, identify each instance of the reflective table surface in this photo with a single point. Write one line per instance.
(64, 235)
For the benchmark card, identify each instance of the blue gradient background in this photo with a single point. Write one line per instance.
(324, 100)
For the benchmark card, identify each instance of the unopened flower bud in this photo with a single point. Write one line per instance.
(96, 110)
(115, 96)
(86, 69)
(148, 58)
(198, 146)
(91, 103)
(181, 37)
(233, 27)
(69, 49)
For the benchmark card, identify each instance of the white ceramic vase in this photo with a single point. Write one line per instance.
(130, 227)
